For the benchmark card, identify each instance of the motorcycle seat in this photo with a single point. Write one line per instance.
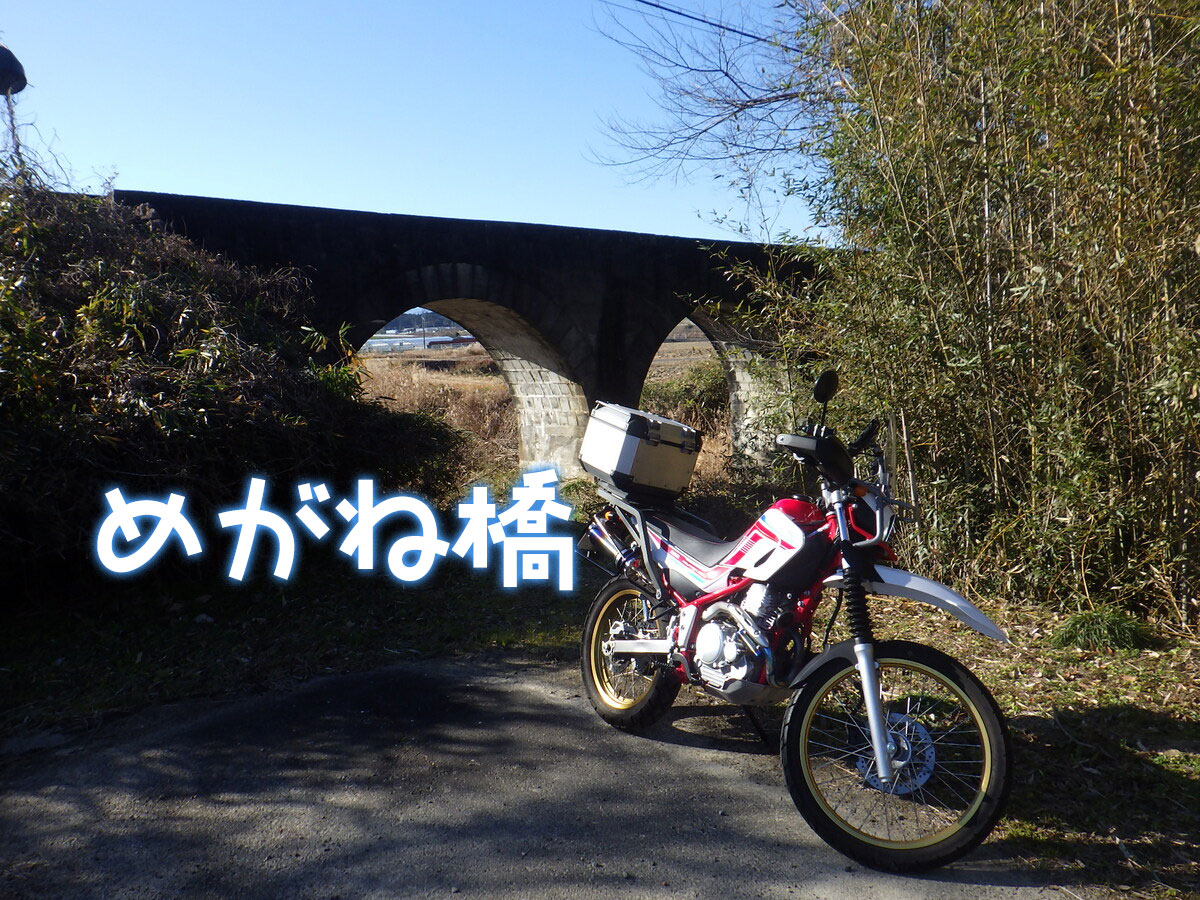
(691, 537)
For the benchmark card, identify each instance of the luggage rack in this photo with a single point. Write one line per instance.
(634, 519)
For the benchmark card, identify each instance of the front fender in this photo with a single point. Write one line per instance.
(898, 583)
(841, 650)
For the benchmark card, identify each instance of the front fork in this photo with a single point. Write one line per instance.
(864, 645)
(883, 746)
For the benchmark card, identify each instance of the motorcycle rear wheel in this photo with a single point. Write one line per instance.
(952, 760)
(630, 693)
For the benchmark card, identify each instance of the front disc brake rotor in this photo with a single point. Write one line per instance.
(912, 763)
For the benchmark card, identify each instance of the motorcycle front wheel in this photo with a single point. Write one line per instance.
(630, 692)
(951, 759)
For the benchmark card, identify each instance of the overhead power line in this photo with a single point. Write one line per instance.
(707, 22)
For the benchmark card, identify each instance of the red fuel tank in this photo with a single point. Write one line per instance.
(802, 512)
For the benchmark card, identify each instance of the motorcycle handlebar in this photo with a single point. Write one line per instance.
(864, 440)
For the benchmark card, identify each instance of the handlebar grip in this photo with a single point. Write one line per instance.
(860, 443)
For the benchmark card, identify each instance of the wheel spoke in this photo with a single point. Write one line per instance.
(623, 682)
(939, 768)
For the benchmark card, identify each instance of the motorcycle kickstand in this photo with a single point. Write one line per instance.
(749, 711)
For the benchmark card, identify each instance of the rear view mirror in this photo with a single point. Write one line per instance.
(826, 386)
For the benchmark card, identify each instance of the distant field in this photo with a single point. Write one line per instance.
(676, 357)
(463, 386)
(466, 366)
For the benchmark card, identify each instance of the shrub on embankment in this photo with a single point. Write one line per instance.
(1014, 200)
(699, 397)
(129, 357)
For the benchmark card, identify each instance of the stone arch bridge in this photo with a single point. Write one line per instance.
(570, 315)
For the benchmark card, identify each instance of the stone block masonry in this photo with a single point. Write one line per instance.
(571, 315)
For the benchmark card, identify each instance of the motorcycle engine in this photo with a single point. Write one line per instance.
(729, 661)
(722, 656)
(766, 603)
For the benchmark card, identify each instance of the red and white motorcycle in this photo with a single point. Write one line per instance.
(894, 753)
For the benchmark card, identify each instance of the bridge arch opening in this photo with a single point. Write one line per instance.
(422, 362)
(547, 403)
(750, 401)
(687, 380)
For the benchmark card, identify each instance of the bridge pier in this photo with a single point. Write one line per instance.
(750, 392)
(552, 409)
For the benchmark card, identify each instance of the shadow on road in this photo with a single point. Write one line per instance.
(493, 779)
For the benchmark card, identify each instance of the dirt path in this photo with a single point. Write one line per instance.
(486, 777)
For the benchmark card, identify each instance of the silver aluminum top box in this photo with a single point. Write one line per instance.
(638, 452)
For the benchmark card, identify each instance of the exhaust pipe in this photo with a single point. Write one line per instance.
(625, 558)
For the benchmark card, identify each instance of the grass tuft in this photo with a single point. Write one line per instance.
(1102, 629)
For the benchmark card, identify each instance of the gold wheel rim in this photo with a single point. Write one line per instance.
(602, 674)
(883, 802)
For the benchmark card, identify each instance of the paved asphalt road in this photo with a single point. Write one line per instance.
(482, 778)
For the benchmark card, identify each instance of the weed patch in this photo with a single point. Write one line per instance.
(1103, 629)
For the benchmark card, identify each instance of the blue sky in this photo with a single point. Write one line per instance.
(459, 108)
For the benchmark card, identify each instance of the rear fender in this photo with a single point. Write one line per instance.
(890, 582)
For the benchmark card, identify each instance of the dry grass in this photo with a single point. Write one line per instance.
(713, 465)
(458, 388)
(1106, 747)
